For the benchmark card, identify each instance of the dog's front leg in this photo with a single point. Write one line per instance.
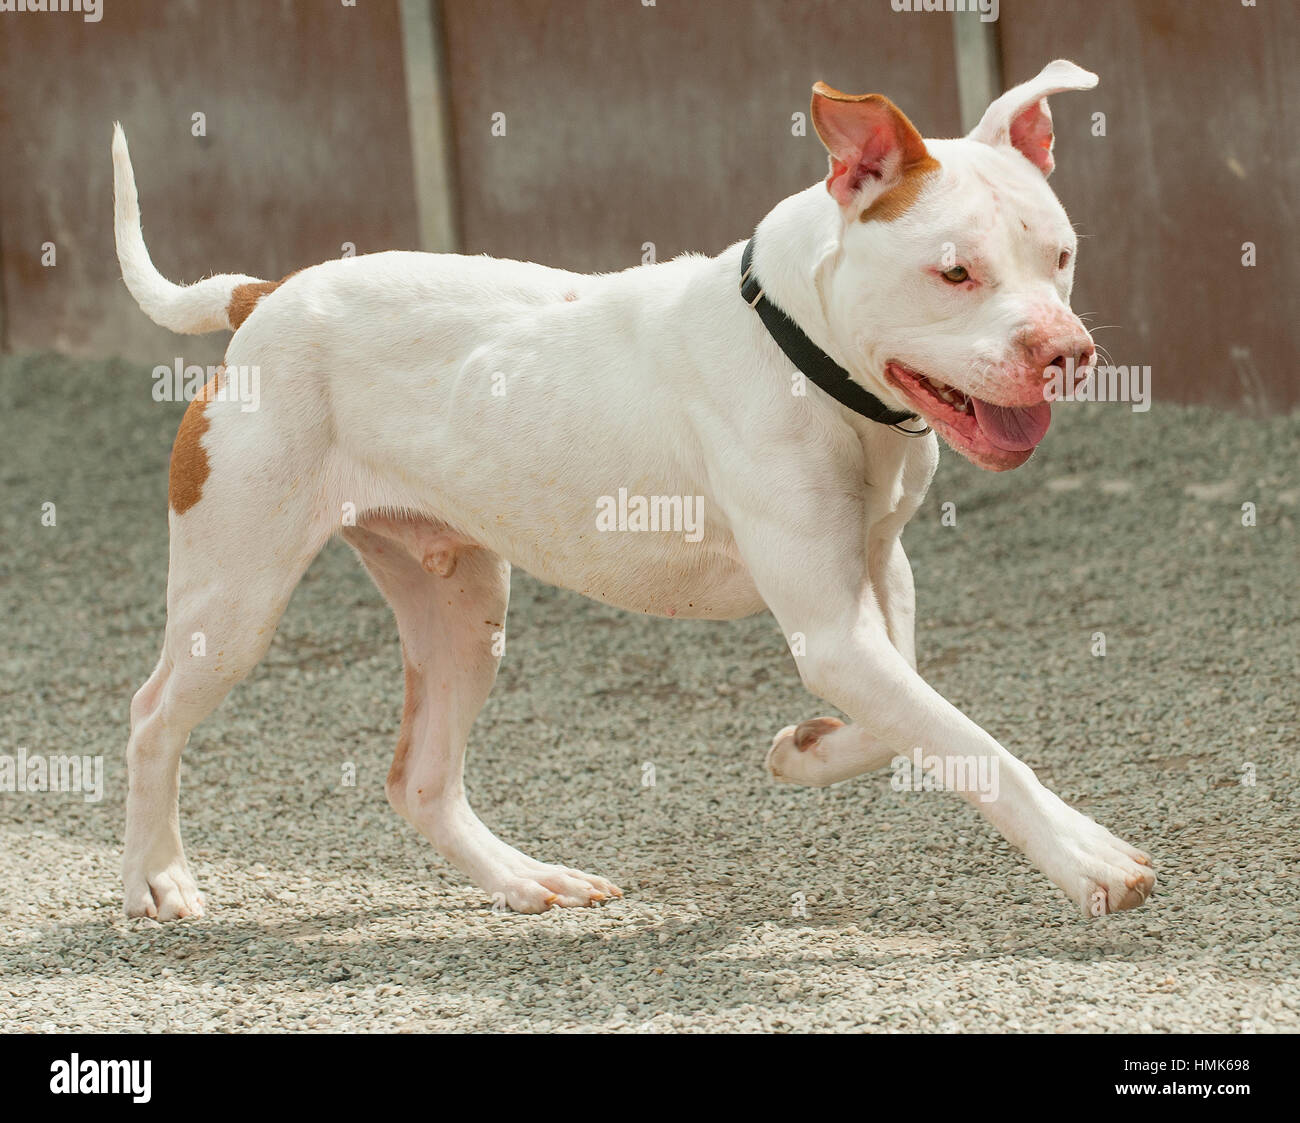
(892, 578)
(823, 750)
(852, 663)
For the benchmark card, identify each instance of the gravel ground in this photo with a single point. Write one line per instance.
(749, 906)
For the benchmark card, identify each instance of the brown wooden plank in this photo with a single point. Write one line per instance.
(669, 124)
(1199, 157)
(307, 148)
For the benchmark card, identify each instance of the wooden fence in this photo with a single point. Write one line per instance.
(578, 132)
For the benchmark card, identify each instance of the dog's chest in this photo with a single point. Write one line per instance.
(897, 471)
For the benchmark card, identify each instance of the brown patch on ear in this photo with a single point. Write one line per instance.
(836, 128)
(188, 471)
(912, 143)
(898, 199)
(244, 298)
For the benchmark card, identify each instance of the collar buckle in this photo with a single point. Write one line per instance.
(748, 284)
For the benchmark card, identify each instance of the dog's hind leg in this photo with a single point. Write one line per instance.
(450, 601)
(237, 552)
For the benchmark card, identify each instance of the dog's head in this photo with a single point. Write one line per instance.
(949, 286)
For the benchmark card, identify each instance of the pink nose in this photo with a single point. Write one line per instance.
(1051, 353)
(1082, 358)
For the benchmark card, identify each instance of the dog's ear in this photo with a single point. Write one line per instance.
(872, 144)
(1020, 117)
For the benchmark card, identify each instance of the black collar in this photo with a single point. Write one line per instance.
(810, 359)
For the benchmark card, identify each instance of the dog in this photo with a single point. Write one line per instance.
(453, 416)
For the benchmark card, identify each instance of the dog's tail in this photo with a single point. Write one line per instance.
(190, 309)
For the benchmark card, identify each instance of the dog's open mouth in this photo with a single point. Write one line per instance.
(992, 436)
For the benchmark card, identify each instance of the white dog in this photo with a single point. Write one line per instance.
(472, 413)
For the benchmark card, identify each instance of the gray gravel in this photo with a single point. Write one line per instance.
(327, 912)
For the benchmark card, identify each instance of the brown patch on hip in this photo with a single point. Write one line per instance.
(188, 471)
(244, 298)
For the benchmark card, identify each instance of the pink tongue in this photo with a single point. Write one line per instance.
(1013, 428)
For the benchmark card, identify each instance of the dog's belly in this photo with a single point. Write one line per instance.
(646, 575)
(582, 539)
(640, 572)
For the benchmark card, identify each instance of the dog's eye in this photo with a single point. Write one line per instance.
(956, 275)
(1063, 260)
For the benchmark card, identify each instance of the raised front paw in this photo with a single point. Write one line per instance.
(797, 755)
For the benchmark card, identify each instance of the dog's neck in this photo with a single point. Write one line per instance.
(796, 245)
(796, 242)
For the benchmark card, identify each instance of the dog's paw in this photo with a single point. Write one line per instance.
(538, 887)
(1099, 872)
(168, 894)
(797, 755)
